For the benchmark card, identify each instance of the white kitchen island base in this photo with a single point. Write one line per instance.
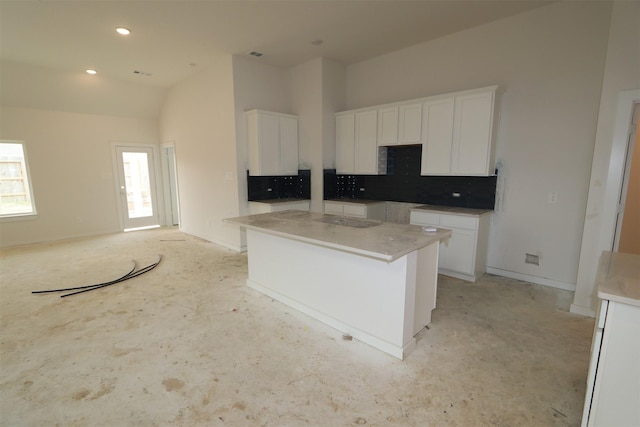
(384, 304)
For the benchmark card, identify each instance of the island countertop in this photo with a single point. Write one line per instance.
(618, 278)
(375, 239)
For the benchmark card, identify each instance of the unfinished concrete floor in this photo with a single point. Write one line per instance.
(189, 344)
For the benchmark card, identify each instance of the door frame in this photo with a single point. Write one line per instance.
(167, 184)
(156, 174)
(616, 172)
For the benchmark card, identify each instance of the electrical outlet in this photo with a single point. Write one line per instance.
(553, 197)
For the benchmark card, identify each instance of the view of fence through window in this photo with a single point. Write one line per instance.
(15, 191)
(136, 174)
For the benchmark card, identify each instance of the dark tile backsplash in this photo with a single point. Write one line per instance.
(279, 187)
(403, 183)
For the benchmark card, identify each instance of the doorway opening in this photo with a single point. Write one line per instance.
(627, 234)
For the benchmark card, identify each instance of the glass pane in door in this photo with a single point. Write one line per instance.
(138, 186)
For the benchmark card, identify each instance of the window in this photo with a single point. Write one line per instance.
(16, 196)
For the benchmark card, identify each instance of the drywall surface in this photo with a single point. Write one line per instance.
(71, 164)
(622, 74)
(306, 103)
(549, 64)
(199, 116)
(255, 86)
(31, 86)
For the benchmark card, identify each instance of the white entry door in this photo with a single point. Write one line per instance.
(137, 187)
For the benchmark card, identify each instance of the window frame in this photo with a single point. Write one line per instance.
(22, 215)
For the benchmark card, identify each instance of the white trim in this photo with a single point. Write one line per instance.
(615, 175)
(583, 311)
(6, 245)
(532, 279)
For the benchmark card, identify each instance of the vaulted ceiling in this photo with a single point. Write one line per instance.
(169, 40)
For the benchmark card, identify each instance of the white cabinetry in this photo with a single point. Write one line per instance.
(464, 255)
(273, 143)
(376, 210)
(613, 382)
(357, 151)
(438, 136)
(458, 134)
(400, 124)
(388, 126)
(410, 126)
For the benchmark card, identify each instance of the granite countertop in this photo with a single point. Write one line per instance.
(356, 201)
(453, 210)
(385, 241)
(618, 278)
(277, 201)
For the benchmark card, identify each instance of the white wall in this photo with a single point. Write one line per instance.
(306, 103)
(549, 62)
(199, 116)
(70, 160)
(256, 86)
(622, 73)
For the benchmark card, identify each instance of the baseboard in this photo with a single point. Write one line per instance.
(532, 279)
(583, 311)
(7, 245)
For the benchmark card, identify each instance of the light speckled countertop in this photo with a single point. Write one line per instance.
(385, 241)
(278, 201)
(453, 210)
(356, 201)
(618, 278)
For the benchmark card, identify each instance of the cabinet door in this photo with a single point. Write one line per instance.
(366, 146)
(266, 160)
(410, 127)
(472, 134)
(358, 211)
(459, 252)
(438, 137)
(288, 146)
(345, 143)
(333, 208)
(388, 126)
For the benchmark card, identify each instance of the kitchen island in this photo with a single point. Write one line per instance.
(372, 280)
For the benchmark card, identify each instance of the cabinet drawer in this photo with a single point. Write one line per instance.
(359, 211)
(333, 208)
(424, 218)
(457, 221)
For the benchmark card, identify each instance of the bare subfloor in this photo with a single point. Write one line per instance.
(188, 344)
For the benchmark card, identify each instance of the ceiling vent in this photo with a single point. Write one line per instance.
(256, 54)
(142, 73)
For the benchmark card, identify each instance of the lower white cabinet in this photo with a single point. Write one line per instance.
(613, 382)
(268, 206)
(368, 210)
(464, 255)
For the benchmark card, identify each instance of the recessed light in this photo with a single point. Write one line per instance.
(91, 72)
(123, 31)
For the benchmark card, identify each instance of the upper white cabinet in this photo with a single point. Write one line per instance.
(357, 151)
(458, 134)
(400, 124)
(273, 143)
(456, 131)
(438, 136)
(388, 126)
(410, 126)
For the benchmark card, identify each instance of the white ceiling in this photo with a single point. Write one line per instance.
(168, 36)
